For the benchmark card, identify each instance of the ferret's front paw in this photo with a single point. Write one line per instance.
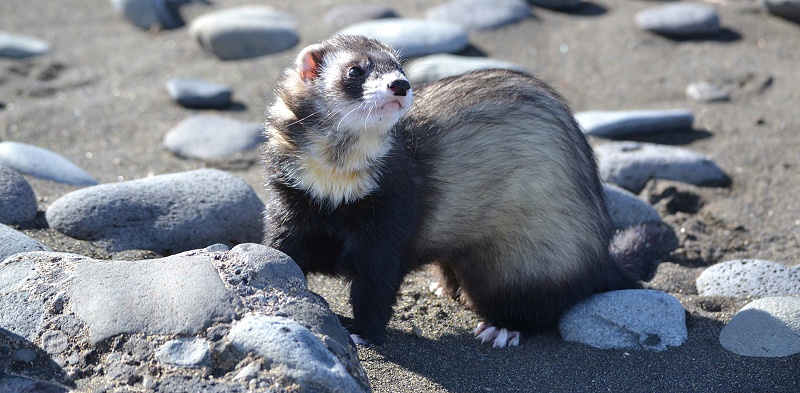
(500, 338)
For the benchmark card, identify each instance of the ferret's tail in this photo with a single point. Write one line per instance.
(640, 248)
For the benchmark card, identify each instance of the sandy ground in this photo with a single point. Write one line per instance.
(98, 98)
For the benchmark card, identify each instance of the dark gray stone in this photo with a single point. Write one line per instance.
(433, 67)
(557, 4)
(627, 209)
(749, 278)
(199, 94)
(17, 200)
(787, 9)
(149, 14)
(245, 32)
(413, 37)
(213, 138)
(348, 14)
(165, 214)
(619, 124)
(42, 163)
(768, 327)
(680, 20)
(631, 164)
(13, 242)
(20, 46)
(628, 319)
(480, 14)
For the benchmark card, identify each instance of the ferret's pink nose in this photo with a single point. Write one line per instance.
(400, 87)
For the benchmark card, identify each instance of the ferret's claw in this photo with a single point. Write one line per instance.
(500, 338)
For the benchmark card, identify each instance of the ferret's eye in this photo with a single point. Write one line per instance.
(355, 72)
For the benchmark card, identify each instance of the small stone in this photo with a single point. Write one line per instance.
(295, 351)
(631, 164)
(557, 4)
(348, 14)
(14, 242)
(20, 46)
(42, 163)
(248, 372)
(21, 314)
(13, 384)
(149, 14)
(24, 355)
(787, 9)
(413, 37)
(54, 342)
(749, 278)
(17, 200)
(480, 14)
(706, 92)
(680, 20)
(165, 214)
(245, 32)
(768, 327)
(628, 319)
(212, 138)
(434, 67)
(619, 124)
(199, 94)
(627, 209)
(185, 352)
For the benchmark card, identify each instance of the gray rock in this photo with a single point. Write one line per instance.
(165, 214)
(42, 163)
(180, 294)
(680, 20)
(348, 14)
(21, 313)
(245, 32)
(480, 14)
(20, 46)
(557, 4)
(199, 94)
(628, 319)
(627, 209)
(749, 278)
(618, 124)
(13, 242)
(631, 164)
(185, 352)
(54, 342)
(433, 67)
(413, 37)
(787, 9)
(17, 200)
(24, 355)
(706, 92)
(213, 138)
(12, 384)
(149, 14)
(294, 350)
(767, 327)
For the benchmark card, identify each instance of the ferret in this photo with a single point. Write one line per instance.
(486, 176)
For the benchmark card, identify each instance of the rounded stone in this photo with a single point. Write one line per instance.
(208, 137)
(768, 327)
(619, 124)
(706, 92)
(480, 14)
(680, 20)
(199, 94)
(185, 352)
(148, 14)
(749, 278)
(434, 67)
(787, 9)
(626, 209)
(18, 46)
(413, 37)
(245, 32)
(557, 4)
(42, 163)
(17, 200)
(14, 242)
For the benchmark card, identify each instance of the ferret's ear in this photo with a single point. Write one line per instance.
(309, 62)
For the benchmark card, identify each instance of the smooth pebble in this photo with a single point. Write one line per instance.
(17, 199)
(433, 67)
(18, 46)
(42, 163)
(245, 32)
(480, 14)
(749, 278)
(627, 319)
(166, 213)
(413, 37)
(631, 164)
(680, 20)
(787, 9)
(619, 124)
(149, 14)
(627, 209)
(706, 92)
(212, 138)
(557, 4)
(199, 94)
(768, 327)
(185, 352)
(348, 14)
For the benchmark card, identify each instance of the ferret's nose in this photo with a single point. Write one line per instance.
(400, 87)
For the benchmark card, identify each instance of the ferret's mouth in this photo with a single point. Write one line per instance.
(393, 104)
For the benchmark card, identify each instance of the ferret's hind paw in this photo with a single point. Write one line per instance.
(500, 338)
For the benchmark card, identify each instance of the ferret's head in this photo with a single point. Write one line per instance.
(356, 81)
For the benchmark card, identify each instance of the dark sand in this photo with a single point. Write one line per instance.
(98, 98)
